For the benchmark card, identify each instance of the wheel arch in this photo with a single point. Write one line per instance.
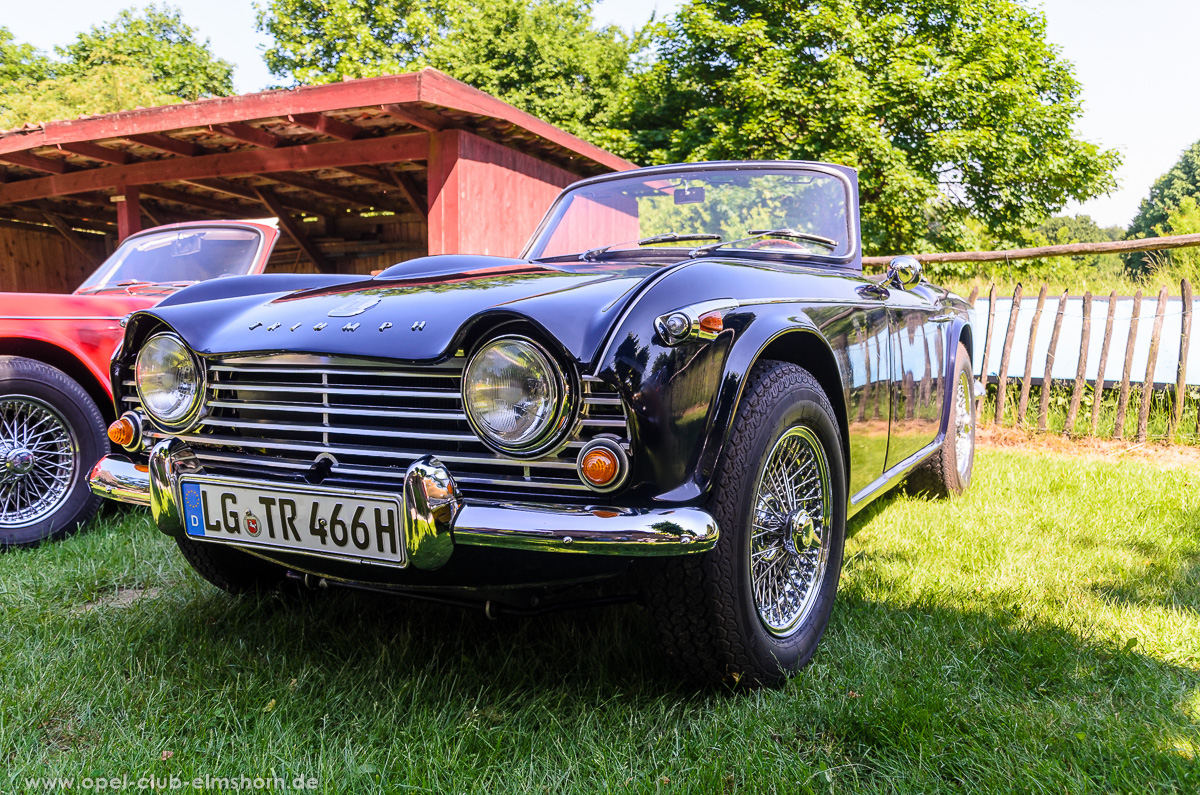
(805, 347)
(66, 361)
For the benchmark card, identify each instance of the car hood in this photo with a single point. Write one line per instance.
(416, 311)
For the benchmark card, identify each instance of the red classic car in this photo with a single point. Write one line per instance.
(55, 396)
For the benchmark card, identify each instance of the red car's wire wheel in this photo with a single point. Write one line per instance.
(38, 459)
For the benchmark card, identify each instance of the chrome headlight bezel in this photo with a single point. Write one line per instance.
(181, 420)
(553, 430)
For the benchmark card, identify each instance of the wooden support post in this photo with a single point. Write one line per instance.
(1098, 392)
(129, 213)
(1006, 353)
(1123, 399)
(1085, 338)
(1048, 376)
(987, 341)
(444, 187)
(1160, 310)
(72, 237)
(295, 230)
(1023, 404)
(1185, 341)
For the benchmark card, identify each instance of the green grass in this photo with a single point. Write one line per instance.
(1041, 634)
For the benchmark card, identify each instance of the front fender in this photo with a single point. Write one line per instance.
(682, 399)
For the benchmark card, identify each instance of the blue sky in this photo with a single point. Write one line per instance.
(1136, 63)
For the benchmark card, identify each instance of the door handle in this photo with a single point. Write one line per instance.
(941, 318)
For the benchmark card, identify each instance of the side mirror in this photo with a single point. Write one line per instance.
(904, 272)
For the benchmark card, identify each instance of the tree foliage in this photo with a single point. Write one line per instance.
(143, 58)
(544, 56)
(1167, 197)
(952, 110)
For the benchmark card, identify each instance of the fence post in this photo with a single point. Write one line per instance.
(1085, 338)
(1005, 353)
(987, 342)
(1185, 339)
(1151, 365)
(974, 295)
(1023, 404)
(1047, 380)
(1123, 400)
(1098, 392)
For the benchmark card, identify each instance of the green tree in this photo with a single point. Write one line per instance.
(1154, 217)
(955, 112)
(144, 58)
(544, 56)
(158, 41)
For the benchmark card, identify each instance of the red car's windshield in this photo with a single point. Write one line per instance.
(177, 256)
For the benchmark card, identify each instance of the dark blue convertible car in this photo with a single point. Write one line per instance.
(685, 382)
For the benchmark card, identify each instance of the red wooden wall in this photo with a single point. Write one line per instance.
(484, 197)
(37, 261)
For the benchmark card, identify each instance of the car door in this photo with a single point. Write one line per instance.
(918, 364)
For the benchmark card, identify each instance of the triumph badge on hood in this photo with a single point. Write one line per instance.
(355, 307)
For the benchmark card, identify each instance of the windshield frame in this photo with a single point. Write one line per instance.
(851, 260)
(263, 241)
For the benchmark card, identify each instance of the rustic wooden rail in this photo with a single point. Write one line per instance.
(1019, 326)
(1065, 250)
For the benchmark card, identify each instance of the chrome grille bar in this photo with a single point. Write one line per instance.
(280, 412)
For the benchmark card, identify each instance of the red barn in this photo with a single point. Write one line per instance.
(361, 174)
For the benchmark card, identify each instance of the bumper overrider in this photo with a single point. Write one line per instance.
(435, 517)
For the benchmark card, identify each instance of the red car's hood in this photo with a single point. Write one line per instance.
(49, 306)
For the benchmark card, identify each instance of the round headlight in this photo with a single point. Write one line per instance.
(168, 379)
(514, 394)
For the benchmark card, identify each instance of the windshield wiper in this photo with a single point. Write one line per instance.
(790, 234)
(669, 237)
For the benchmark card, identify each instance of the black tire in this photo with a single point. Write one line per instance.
(940, 475)
(709, 621)
(229, 568)
(51, 434)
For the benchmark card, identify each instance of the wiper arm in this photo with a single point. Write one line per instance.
(669, 237)
(790, 234)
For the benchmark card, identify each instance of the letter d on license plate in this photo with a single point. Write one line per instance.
(311, 520)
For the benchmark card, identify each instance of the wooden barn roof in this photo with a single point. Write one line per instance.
(355, 145)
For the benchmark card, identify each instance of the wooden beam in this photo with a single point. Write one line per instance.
(336, 191)
(241, 191)
(36, 162)
(192, 200)
(394, 179)
(244, 162)
(129, 219)
(153, 214)
(92, 151)
(326, 125)
(165, 143)
(94, 224)
(72, 237)
(239, 131)
(295, 230)
(416, 115)
(1066, 250)
(443, 192)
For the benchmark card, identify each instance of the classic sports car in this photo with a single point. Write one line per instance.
(54, 357)
(685, 374)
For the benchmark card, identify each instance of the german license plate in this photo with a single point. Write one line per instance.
(331, 523)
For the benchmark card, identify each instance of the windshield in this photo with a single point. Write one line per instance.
(734, 207)
(177, 256)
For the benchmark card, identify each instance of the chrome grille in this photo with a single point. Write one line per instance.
(278, 413)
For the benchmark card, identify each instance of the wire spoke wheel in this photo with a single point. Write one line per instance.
(39, 456)
(964, 428)
(789, 542)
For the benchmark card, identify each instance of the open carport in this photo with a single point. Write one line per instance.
(361, 174)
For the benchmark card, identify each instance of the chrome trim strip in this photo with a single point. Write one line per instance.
(243, 386)
(893, 476)
(316, 408)
(72, 318)
(432, 373)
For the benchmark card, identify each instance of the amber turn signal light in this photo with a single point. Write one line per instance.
(126, 431)
(713, 323)
(600, 467)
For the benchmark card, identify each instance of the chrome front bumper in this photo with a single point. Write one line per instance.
(437, 517)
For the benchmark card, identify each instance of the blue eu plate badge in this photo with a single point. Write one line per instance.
(193, 514)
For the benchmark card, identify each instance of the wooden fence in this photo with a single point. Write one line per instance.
(1039, 369)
